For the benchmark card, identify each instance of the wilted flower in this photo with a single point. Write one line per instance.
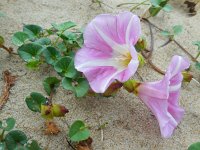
(108, 52)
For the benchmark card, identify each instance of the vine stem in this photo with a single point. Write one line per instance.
(129, 4)
(138, 5)
(1, 136)
(197, 56)
(176, 42)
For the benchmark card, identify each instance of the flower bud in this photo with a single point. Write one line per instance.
(59, 110)
(112, 89)
(131, 86)
(187, 76)
(46, 111)
(141, 60)
(141, 44)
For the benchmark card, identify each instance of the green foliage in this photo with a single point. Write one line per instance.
(15, 139)
(1, 40)
(194, 146)
(30, 51)
(33, 31)
(79, 86)
(176, 30)
(34, 101)
(50, 83)
(197, 43)
(19, 38)
(36, 48)
(64, 26)
(158, 5)
(51, 55)
(65, 67)
(197, 65)
(78, 131)
(10, 123)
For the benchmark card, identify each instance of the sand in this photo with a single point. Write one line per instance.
(131, 125)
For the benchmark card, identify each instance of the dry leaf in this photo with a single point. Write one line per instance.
(192, 7)
(85, 145)
(51, 128)
(9, 82)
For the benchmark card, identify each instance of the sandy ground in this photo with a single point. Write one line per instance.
(130, 124)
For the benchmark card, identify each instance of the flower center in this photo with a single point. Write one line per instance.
(126, 59)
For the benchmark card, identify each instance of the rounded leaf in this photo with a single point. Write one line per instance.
(78, 131)
(51, 55)
(30, 51)
(15, 139)
(43, 41)
(50, 83)
(32, 30)
(34, 101)
(64, 26)
(65, 66)
(10, 124)
(33, 146)
(19, 38)
(195, 146)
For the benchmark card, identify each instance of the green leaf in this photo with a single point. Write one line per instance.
(165, 33)
(197, 43)
(15, 139)
(177, 29)
(78, 131)
(51, 55)
(34, 101)
(32, 30)
(10, 124)
(194, 146)
(65, 66)
(33, 64)
(155, 2)
(19, 38)
(167, 8)
(61, 47)
(64, 26)
(33, 146)
(197, 65)
(2, 146)
(154, 10)
(80, 86)
(1, 40)
(50, 83)
(30, 51)
(43, 41)
(69, 36)
(2, 14)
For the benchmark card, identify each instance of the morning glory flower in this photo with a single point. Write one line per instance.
(108, 53)
(162, 97)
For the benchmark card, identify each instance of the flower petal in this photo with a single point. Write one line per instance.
(107, 31)
(100, 78)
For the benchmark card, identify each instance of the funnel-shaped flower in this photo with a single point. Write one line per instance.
(108, 52)
(162, 96)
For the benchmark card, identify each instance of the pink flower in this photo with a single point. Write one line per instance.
(108, 52)
(162, 96)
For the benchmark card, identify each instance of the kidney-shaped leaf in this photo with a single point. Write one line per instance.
(30, 51)
(78, 131)
(15, 139)
(63, 26)
(33, 146)
(32, 30)
(80, 86)
(10, 123)
(50, 83)
(34, 101)
(51, 55)
(195, 146)
(19, 38)
(65, 66)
